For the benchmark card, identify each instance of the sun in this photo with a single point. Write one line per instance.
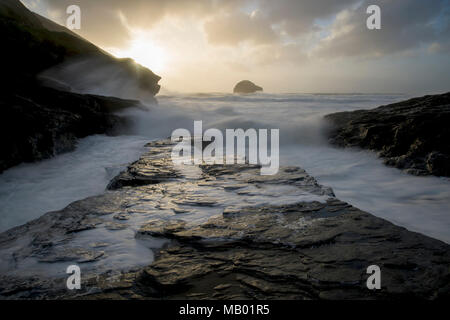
(144, 51)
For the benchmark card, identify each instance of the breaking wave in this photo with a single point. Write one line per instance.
(418, 203)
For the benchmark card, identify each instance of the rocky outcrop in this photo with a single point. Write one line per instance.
(32, 44)
(39, 117)
(246, 86)
(218, 232)
(412, 135)
(40, 122)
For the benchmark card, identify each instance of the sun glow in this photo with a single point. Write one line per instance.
(144, 51)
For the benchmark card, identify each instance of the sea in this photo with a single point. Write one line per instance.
(359, 177)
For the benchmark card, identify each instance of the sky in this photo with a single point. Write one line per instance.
(285, 46)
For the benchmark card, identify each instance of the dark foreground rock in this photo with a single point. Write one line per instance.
(218, 232)
(246, 86)
(39, 122)
(412, 135)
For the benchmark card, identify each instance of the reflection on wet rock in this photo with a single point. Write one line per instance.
(222, 232)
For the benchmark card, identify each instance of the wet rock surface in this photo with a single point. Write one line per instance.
(151, 168)
(217, 232)
(412, 135)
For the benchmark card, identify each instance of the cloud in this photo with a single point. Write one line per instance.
(226, 21)
(102, 20)
(297, 17)
(285, 44)
(405, 25)
(232, 29)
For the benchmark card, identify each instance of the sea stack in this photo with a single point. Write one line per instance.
(246, 86)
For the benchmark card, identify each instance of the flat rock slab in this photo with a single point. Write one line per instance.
(217, 232)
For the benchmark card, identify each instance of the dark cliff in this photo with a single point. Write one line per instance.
(32, 44)
(42, 118)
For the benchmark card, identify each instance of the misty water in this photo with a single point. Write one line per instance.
(420, 204)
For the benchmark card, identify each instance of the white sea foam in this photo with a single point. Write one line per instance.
(421, 204)
(29, 190)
